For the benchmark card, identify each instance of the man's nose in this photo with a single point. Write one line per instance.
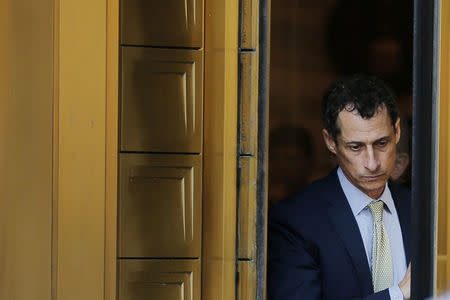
(372, 163)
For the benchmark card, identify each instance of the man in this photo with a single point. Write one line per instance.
(346, 236)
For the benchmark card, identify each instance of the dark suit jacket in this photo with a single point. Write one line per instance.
(315, 249)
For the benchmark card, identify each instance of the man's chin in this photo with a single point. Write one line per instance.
(372, 187)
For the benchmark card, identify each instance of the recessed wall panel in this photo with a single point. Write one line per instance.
(247, 280)
(161, 100)
(247, 207)
(159, 279)
(249, 24)
(170, 23)
(248, 94)
(160, 206)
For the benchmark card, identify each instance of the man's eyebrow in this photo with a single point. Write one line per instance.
(383, 138)
(362, 143)
(353, 143)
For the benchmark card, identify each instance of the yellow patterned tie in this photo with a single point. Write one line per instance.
(382, 272)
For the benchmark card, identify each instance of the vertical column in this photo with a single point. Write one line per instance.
(79, 149)
(443, 230)
(160, 150)
(112, 141)
(248, 148)
(219, 209)
(26, 85)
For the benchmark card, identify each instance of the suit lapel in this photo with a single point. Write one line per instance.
(345, 225)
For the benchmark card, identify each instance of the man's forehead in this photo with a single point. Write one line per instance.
(353, 126)
(349, 113)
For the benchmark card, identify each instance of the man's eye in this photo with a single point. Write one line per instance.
(382, 143)
(355, 147)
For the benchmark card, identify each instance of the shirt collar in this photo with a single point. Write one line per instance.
(358, 200)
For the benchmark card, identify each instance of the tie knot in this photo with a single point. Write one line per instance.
(376, 208)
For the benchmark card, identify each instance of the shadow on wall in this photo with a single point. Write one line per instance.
(292, 161)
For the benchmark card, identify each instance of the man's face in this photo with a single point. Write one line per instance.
(366, 149)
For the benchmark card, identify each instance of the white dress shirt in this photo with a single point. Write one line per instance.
(358, 203)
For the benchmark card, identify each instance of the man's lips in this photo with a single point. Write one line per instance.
(373, 177)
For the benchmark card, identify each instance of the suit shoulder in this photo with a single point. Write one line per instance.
(309, 201)
(400, 192)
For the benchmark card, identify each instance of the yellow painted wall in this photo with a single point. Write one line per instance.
(26, 87)
(53, 88)
(80, 141)
(112, 123)
(219, 163)
(443, 266)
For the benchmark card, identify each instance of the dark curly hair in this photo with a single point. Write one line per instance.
(365, 94)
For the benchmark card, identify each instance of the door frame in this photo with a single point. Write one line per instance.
(425, 147)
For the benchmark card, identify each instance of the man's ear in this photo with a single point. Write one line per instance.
(329, 141)
(397, 131)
